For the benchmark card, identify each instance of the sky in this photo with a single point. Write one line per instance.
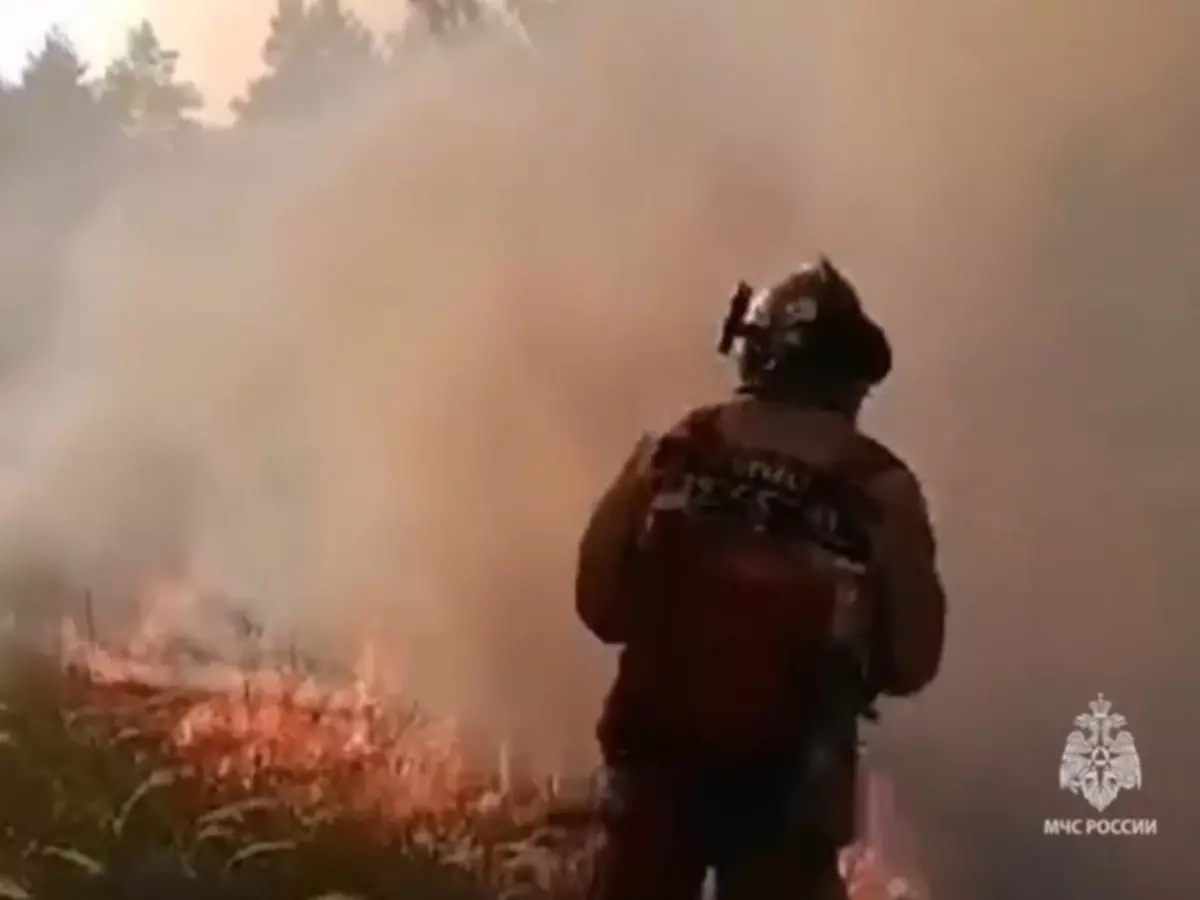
(94, 26)
(219, 39)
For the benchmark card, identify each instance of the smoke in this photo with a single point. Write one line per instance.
(369, 371)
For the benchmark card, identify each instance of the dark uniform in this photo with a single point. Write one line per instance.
(768, 570)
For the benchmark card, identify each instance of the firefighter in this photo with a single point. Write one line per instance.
(767, 570)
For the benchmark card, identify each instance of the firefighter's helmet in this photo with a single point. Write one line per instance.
(811, 325)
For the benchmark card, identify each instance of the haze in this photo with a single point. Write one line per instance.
(383, 362)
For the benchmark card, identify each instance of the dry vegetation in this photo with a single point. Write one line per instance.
(157, 770)
(119, 783)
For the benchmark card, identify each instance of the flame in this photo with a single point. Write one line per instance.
(354, 745)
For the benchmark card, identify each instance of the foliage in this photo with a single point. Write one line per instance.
(313, 50)
(142, 89)
(55, 105)
(442, 17)
(96, 804)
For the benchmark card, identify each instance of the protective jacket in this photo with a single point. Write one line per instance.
(759, 564)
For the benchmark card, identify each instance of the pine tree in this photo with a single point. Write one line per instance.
(142, 89)
(8, 120)
(312, 51)
(442, 17)
(55, 105)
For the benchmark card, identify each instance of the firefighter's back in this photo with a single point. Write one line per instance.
(766, 569)
(754, 558)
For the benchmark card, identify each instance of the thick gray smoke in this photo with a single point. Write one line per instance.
(371, 371)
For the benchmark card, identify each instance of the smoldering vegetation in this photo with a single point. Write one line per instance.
(367, 361)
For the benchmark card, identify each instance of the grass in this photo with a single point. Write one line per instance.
(115, 788)
(96, 800)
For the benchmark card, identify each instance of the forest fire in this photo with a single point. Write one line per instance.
(317, 739)
(352, 746)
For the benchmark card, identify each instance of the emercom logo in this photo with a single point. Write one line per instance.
(1100, 761)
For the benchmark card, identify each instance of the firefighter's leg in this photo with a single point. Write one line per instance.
(780, 869)
(652, 850)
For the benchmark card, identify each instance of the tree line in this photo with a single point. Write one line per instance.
(70, 130)
(312, 49)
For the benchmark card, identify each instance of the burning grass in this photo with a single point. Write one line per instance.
(108, 785)
(145, 772)
(127, 774)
